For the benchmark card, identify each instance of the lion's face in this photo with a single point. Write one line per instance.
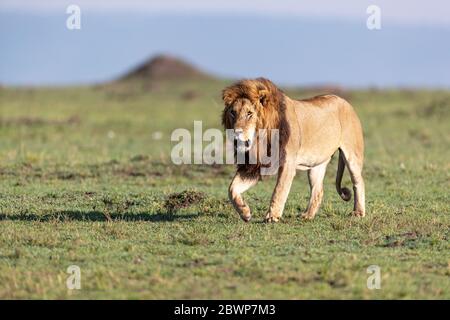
(242, 117)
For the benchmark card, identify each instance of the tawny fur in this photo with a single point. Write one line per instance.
(311, 131)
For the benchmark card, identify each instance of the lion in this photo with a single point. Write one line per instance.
(310, 132)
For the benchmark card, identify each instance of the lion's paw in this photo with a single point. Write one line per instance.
(271, 218)
(307, 216)
(246, 214)
(358, 213)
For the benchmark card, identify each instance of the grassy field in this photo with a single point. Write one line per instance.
(86, 179)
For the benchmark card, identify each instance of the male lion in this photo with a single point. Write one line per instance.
(310, 131)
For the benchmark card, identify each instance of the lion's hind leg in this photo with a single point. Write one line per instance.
(315, 177)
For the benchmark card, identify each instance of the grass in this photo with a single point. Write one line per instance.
(85, 181)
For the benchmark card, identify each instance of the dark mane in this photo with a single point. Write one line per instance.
(269, 101)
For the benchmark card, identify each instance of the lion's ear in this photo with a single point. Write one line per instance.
(263, 95)
(229, 96)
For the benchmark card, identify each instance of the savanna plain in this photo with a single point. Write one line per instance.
(86, 179)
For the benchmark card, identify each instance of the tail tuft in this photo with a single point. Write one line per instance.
(345, 194)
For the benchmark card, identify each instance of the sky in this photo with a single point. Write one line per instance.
(291, 42)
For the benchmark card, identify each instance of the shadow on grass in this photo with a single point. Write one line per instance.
(98, 216)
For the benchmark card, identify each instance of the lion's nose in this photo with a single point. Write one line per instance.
(241, 138)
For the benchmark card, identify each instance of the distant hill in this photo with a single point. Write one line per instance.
(165, 67)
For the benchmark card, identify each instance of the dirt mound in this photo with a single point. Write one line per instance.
(165, 67)
(183, 199)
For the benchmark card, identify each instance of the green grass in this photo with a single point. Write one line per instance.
(83, 182)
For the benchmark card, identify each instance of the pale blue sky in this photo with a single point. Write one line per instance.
(416, 12)
(292, 42)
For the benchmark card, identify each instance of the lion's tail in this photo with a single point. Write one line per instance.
(345, 193)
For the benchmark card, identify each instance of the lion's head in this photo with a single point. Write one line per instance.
(251, 105)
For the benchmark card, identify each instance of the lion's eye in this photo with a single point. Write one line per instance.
(249, 114)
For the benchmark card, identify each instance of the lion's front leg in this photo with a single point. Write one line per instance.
(286, 175)
(238, 186)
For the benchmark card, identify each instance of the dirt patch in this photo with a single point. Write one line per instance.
(407, 239)
(139, 158)
(137, 168)
(187, 198)
(33, 121)
(131, 172)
